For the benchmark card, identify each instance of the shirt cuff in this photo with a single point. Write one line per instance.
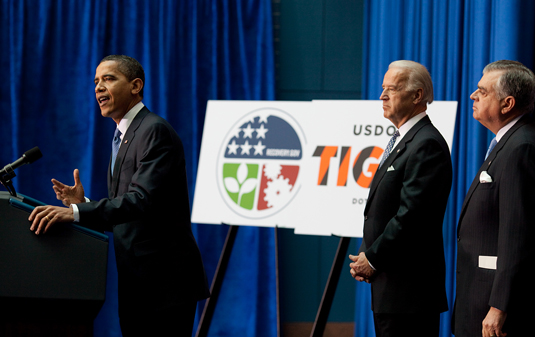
(368, 262)
(76, 212)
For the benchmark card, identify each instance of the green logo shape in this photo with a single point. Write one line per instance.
(240, 182)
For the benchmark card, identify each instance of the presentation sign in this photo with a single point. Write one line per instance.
(301, 165)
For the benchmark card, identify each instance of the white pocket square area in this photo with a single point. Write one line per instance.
(488, 262)
(391, 168)
(484, 178)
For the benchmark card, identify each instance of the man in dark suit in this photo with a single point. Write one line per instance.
(402, 253)
(160, 271)
(495, 251)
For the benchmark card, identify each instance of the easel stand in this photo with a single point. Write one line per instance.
(330, 288)
(211, 302)
(326, 301)
(215, 289)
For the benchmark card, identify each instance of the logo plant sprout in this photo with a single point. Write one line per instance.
(240, 182)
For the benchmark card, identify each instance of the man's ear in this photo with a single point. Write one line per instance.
(507, 104)
(137, 85)
(418, 96)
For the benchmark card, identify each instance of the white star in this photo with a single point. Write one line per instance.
(233, 147)
(259, 148)
(248, 132)
(261, 132)
(236, 133)
(263, 117)
(245, 148)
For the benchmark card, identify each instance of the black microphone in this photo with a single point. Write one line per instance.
(27, 158)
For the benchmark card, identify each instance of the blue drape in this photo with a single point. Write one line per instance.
(454, 39)
(192, 51)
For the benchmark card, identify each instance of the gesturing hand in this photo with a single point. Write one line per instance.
(70, 194)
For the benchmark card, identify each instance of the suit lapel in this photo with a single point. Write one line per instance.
(396, 152)
(125, 145)
(486, 164)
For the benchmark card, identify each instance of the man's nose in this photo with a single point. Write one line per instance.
(383, 95)
(99, 87)
(473, 96)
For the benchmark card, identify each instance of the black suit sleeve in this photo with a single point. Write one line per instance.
(516, 230)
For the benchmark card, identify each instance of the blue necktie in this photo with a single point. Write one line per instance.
(493, 143)
(115, 147)
(389, 147)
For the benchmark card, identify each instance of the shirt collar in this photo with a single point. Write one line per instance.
(409, 124)
(506, 128)
(125, 122)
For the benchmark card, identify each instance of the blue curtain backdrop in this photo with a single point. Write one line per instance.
(454, 39)
(192, 51)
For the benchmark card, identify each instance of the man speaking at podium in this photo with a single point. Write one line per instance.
(402, 253)
(160, 272)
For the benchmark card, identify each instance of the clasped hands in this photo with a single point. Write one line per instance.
(43, 217)
(360, 268)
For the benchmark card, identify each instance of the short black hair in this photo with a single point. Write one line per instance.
(129, 67)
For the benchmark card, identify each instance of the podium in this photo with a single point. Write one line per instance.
(52, 284)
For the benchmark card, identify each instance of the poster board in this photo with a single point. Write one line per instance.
(300, 165)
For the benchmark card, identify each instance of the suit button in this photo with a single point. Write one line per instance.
(365, 218)
(458, 239)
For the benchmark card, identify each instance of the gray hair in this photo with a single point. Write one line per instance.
(516, 80)
(129, 67)
(418, 78)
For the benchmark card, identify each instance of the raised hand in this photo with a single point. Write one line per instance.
(70, 194)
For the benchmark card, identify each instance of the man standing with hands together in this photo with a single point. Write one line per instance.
(402, 253)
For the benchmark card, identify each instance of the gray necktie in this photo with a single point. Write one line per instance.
(115, 147)
(389, 147)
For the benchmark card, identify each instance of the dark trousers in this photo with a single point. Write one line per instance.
(402, 325)
(174, 321)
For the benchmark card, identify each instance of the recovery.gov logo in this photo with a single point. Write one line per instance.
(258, 163)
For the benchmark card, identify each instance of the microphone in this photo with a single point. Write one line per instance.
(27, 158)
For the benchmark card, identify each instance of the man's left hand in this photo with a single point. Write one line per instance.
(493, 323)
(44, 217)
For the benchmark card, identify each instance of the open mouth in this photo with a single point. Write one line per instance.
(102, 100)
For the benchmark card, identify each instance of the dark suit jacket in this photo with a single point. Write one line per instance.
(158, 261)
(403, 224)
(497, 219)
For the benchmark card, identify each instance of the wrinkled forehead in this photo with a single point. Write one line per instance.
(396, 77)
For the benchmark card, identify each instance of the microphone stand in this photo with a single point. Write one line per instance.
(8, 172)
(5, 179)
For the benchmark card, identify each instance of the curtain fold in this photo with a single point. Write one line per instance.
(454, 39)
(192, 51)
